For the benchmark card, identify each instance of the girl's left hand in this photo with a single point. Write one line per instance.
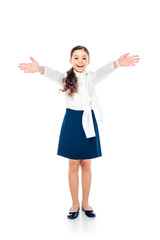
(126, 61)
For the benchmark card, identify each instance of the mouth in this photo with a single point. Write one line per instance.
(80, 66)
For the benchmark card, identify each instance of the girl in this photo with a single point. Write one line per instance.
(79, 139)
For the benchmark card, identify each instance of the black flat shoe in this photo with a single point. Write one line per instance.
(73, 215)
(89, 213)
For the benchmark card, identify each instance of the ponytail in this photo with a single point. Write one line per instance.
(70, 83)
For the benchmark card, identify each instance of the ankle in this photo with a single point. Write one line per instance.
(75, 203)
(85, 203)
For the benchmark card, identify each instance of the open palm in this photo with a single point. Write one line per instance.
(30, 67)
(126, 61)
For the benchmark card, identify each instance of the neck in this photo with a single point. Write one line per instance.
(77, 71)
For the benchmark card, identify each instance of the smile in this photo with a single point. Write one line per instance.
(80, 66)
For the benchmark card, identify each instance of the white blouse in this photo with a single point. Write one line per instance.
(85, 99)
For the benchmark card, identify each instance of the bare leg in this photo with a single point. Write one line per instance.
(74, 183)
(86, 182)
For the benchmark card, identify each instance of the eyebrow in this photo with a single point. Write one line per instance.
(78, 56)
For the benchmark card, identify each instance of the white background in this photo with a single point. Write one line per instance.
(34, 191)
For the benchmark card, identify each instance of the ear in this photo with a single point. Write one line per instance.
(70, 61)
(88, 61)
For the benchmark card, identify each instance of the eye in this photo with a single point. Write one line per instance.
(83, 58)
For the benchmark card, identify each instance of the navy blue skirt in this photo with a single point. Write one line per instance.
(73, 143)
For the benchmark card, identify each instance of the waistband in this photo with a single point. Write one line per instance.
(73, 110)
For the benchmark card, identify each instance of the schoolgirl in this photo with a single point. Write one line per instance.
(79, 139)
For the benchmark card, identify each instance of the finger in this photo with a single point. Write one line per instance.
(136, 59)
(135, 56)
(135, 62)
(26, 71)
(23, 67)
(22, 64)
(125, 54)
(32, 59)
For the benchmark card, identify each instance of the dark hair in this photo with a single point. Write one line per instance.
(70, 82)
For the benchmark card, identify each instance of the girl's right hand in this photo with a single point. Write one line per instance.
(30, 67)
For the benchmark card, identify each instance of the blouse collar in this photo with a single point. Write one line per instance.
(80, 73)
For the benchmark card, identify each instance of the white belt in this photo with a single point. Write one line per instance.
(87, 120)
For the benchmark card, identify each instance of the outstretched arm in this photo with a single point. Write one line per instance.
(52, 74)
(103, 72)
(45, 71)
(107, 69)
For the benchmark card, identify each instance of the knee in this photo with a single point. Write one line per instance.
(73, 165)
(86, 165)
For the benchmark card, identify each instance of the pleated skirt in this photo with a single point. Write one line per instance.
(73, 143)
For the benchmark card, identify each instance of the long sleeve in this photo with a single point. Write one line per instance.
(52, 74)
(103, 72)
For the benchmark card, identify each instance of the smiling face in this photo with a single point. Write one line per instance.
(80, 60)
